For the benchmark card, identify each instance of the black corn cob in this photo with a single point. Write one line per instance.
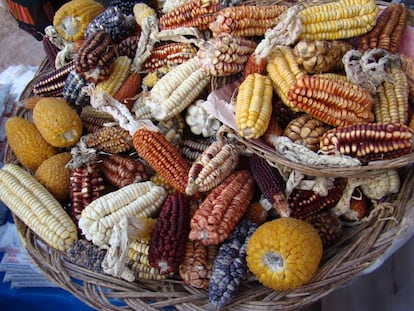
(168, 240)
(127, 6)
(230, 267)
(271, 184)
(73, 90)
(52, 84)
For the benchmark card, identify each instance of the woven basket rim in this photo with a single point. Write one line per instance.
(357, 250)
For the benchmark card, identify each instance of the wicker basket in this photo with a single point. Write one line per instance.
(359, 248)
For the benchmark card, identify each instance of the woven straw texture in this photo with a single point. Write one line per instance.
(359, 247)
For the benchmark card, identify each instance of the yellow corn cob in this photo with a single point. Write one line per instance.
(254, 106)
(72, 18)
(391, 105)
(120, 72)
(338, 20)
(141, 12)
(176, 90)
(36, 207)
(137, 199)
(284, 71)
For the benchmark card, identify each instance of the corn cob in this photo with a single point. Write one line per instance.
(138, 262)
(162, 156)
(388, 29)
(160, 181)
(391, 104)
(112, 139)
(372, 141)
(72, 18)
(129, 90)
(246, 20)
(120, 72)
(173, 129)
(126, 6)
(408, 68)
(230, 267)
(379, 186)
(336, 103)
(167, 246)
(222, 209)
(36, 207)
(358, 209)
(92, 123)
(338, 20)
(254, 65)
(224, 55)
(128, 46)
(254, 106)
(171, 54)
(84, 254)
(256, 213)
(86, 185)
(74, 91)
(114, 22)
(51, 84)
(328, 226)
(141, 12)
(333, 76)
(305, 203)
(196, 13)
(215, 163)
(306, 131)
(283, 71)
(271, 184)
(321, 55)
(176, 90)
(95, 57)
(120, 170)
(137, 199)
(201, 121)
(195, 270)
(192, 149)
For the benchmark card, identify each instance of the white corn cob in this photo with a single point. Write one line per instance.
(137, 199)
(36, 207)
(176, 90)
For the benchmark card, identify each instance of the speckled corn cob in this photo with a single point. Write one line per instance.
(112, 139)
(334, 102)
(74, 91)
(191, 149)
(167, 246)
(212, 167)
(52, 84)
(225, 55)
(372, 141)
(84, 254)
(246, 20)
(196, 13)
(222, 209)
(305, 203)
(230, 267)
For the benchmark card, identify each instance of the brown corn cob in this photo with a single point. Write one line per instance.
(222, 209)
(306, 131)
(336, 103)
(168, 55)
(95, 57)
(372, 141)
(129, 90)
(388, 29)
(168, 240)
(196, 267)
(212, 167)
(321, 55)
(51, 84)
(122, 170)
(246, 20)
(162, 156)
(256, 213)
(86, 185)
(196, 13)
(305, 203)
(271, 184)
(225, 55)
(391, 104)
(112, 139)
(328, 226)
(191, 149)
(128, 46)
